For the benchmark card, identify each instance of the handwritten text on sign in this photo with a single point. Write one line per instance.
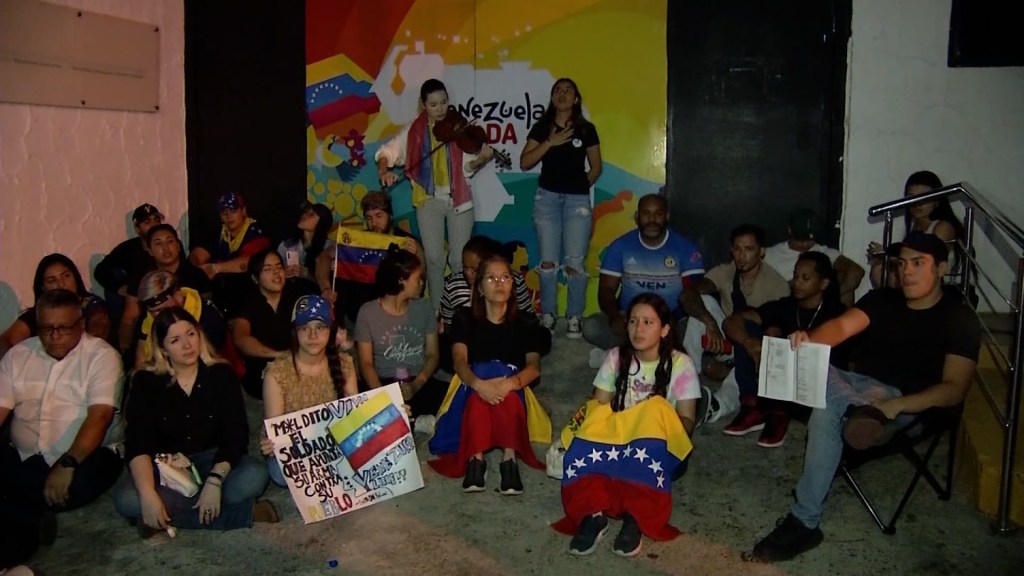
(347, 454)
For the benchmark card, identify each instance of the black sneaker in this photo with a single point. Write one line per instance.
(476, 476)
(590, 532)
(511, 483)
(789, 539)
(630, 539)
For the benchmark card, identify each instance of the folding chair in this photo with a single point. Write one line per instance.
(927, 429)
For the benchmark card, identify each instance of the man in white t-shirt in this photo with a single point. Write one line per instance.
(802, 232)
(60, 391)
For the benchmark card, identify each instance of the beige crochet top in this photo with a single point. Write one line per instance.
(301, 391)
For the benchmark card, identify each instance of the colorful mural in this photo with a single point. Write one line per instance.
(364, 67)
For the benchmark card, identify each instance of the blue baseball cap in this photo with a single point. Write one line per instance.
(310, 308)
(230, 201)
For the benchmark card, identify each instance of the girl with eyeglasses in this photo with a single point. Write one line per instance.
(314, 372)
(496, 350)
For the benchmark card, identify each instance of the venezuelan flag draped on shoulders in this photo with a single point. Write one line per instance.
(360, 253)
(461, 433)
(622, 462)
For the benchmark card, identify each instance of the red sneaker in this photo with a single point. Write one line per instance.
(750, 419)
(774, 433)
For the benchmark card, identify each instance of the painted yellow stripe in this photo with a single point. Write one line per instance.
(333, 66)
(356, 418)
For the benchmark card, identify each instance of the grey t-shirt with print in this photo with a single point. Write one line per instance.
(398, 341)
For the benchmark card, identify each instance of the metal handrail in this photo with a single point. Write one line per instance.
(1007, 226)
(1007, 419)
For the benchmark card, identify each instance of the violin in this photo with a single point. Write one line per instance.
(470, 138)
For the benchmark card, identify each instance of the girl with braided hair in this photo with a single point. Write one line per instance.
(645, 366)
(654, 366)
(315, 372)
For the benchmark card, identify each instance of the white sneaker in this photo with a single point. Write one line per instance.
(596, 358)
(573, 328)
(548, 321)
(425, 424)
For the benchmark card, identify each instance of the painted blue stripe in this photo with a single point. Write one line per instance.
(640, 461)
(336, 88)
(369, 429)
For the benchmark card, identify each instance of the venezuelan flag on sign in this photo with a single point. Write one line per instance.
(360, 253)
(369, 430)
(622, 462)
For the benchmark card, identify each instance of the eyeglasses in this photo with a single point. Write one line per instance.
(312, 329)
(160, 298)
(51, 331)
(503, 279)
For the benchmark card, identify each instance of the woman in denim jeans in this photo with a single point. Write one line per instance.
(564, 143)
(441, 193)
(187, 400)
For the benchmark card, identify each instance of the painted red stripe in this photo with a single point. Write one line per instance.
(346, 106)
(388, 435)
(365, 273)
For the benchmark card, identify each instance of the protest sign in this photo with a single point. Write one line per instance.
(346, 454)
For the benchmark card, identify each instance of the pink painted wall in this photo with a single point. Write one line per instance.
(69, 178)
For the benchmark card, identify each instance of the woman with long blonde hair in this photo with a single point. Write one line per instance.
(184, 400)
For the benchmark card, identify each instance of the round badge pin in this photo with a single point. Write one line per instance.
(670, 262)
(576, 142)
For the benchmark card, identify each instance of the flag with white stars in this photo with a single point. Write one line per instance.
(622, 462)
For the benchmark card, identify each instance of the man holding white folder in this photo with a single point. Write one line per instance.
(920, 344)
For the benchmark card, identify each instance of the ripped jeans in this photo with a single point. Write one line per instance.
(564, 223)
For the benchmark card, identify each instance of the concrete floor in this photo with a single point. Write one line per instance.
(732, 495)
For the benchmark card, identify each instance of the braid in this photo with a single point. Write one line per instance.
(626, 358)
(334, 366)
(663, 372)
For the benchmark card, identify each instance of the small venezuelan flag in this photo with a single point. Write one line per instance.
(360, 253)
(369, 430)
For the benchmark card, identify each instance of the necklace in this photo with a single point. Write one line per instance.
(813, 318)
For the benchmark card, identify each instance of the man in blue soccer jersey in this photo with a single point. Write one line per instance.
(651, 258)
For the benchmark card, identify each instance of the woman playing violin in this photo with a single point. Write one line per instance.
(440, 176)
(564, 143)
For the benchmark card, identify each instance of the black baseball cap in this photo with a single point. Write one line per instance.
(145, 211)
(924, 243)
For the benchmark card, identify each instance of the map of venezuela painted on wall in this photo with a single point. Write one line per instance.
(366, 60)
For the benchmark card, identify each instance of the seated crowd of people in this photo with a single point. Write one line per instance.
(157, 371)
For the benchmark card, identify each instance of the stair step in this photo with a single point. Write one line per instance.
(980, 447)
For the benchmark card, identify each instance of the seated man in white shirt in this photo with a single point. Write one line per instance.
(60, 391)
(801, 236)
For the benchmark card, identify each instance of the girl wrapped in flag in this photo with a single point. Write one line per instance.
(496, 351)
(627, 444)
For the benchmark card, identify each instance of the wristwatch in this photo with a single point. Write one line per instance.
(68, 461)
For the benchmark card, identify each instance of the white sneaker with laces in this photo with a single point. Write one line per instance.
(573, 327)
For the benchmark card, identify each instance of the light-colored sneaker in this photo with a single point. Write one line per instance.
(573, 327)
(548, 321)
(425, 424)
(597, 356)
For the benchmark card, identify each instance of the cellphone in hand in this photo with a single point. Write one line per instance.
(291, 258)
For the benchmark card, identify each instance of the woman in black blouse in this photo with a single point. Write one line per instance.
(186, 400)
